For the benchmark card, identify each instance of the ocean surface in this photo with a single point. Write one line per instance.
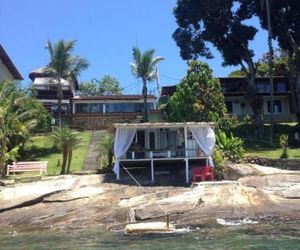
(234, 236)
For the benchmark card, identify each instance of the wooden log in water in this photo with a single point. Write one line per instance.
(148, 227)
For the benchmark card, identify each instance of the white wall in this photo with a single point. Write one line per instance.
(4, 72)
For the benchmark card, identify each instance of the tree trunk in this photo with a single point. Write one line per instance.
(255, 101)
(59, 99)
(3, 163)
(297, 96)
(64, 162)
(145, 100)
(69, 160)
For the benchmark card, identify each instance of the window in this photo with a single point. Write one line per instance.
(263, 87)
(88, 108)
(229, 106)
(277, 108)
(281, 87)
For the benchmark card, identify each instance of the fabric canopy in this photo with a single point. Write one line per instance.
(205, 138)
(123, 140)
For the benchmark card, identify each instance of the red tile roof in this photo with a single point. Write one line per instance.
(9, 64)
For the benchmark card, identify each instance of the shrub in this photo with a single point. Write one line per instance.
(106, 145)
(284, 142)
(231, 147)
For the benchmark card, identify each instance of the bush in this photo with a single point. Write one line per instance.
(231, 147)
(284, 142)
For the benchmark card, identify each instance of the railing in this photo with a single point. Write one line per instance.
(161, 154)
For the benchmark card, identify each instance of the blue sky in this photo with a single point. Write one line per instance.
(105, 32)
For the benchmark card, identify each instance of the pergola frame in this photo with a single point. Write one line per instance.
(160, 125)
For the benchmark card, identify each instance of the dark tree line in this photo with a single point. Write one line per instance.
(223, 24)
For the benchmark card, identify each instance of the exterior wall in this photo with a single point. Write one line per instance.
(5, 73)
(240, 108)
(101, 121)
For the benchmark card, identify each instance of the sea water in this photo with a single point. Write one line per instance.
(249, 236)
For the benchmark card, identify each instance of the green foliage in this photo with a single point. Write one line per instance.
(19, 115)
(238, 73)
(63, 65)
(88, 89)
(144, 67)
(106, 147)
(284, 143)
(66, 140)
(198, 97)
(231, 147)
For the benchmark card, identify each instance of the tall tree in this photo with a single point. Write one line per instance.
(198, 96)
(144, 67)
(88, 88)
(63, 65)
(220, 23)
(107, 85)
(285, 19)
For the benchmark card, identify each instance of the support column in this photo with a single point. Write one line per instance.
(152, 171)
(118, 169)
(185, 142)
(187, 170)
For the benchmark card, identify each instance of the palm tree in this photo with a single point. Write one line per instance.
(16, 121)
(66, 140)
(144, 67)
(63, 65)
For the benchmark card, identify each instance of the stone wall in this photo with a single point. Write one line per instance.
(291, 164)
(101, 121)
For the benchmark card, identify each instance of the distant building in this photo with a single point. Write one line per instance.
(46, 87)
(98, 112)
(8, 70)
(89, 112)
(234, 90)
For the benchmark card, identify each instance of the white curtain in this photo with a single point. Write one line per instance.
(123, 140)
(205, 138)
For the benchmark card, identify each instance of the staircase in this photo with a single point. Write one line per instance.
(93, 155)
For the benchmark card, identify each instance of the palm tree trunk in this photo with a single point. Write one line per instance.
(145, 100)
(59, 99)
(69, 160)
(65, 157)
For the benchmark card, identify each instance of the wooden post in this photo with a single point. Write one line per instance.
(118, 170)
(168, 221)
(152, 171)
(187, 170)
(186, 156)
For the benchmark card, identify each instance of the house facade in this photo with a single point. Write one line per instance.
(234, 90)
(89, 112)
(46, 88)
(8, 70)
(99, 112)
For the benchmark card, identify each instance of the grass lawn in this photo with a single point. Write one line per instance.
(255, 146)
(41, 148)
(263, 149)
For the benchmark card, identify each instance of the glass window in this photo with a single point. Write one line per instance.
(229, 106)
(281, 87)
(88, 108)
(277, 107)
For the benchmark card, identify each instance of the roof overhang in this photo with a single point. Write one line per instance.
(9, 64)
(149, 125)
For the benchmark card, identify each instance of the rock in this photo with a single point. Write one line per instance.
(148, 227)
(235, 171)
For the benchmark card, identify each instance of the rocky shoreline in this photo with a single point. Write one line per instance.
(255, 193)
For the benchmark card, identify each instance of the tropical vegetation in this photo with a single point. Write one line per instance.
(19, 115)
(66, 140)
(64, 65)
(107, 85)
(144, 66)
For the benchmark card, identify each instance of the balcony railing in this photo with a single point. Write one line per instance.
(163, 154)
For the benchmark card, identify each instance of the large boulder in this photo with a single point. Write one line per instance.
(235, 171)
